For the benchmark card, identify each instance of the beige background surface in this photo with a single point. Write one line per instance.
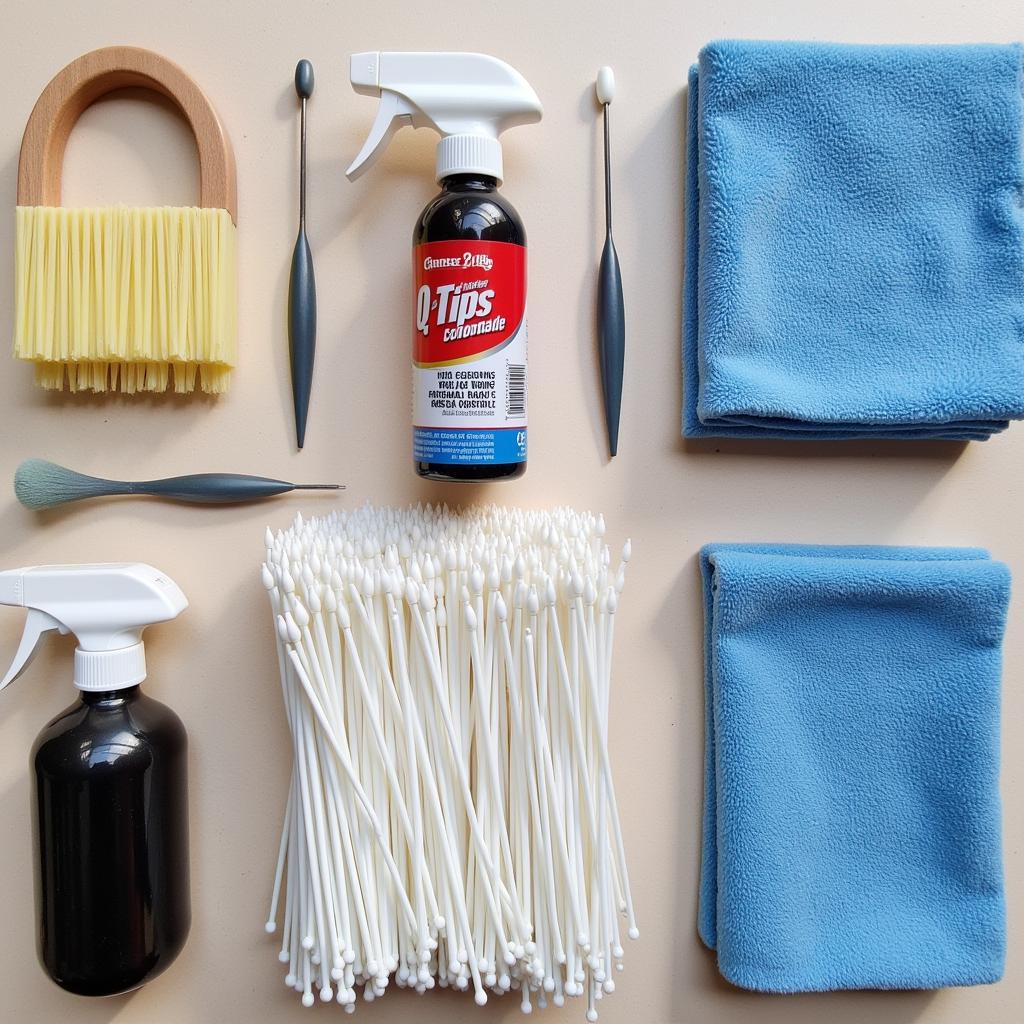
(216, 666)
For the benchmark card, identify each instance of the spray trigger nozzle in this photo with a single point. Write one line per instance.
(469, 98)
(107, 607)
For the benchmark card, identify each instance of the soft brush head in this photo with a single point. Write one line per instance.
(605, 85)
(39, 484)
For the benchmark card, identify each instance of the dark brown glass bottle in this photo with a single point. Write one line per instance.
(111, 820)
(480, 225)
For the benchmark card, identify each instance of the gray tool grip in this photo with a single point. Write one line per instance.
(302, 330)
(611, 318)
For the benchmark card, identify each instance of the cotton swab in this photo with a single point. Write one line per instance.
(451, 819)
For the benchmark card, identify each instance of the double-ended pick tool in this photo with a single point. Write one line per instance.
(302, 283)
(39, 485)
(611, 317)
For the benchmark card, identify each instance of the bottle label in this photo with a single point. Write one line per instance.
(469, 353)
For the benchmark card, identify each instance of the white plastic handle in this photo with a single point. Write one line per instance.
(37, 625)
(393, 113)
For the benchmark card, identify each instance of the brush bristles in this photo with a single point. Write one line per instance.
(126, 299)
(39, 484)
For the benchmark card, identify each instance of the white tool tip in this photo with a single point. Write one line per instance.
(605, 85)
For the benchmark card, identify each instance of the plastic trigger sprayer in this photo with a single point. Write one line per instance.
(469, 257)
(110, 780)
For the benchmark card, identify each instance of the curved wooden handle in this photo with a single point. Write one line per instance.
(94, 75)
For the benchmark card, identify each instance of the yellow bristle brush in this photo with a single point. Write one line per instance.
(125, 298)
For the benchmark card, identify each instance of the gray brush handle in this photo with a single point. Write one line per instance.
(301, 330)
(611, 319)
(211, 488)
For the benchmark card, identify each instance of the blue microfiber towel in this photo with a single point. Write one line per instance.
(855, 241)
(851, 807)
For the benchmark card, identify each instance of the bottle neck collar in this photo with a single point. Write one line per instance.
(469, 183)
(100, 697)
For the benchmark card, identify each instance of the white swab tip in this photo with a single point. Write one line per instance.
(284, 956)
(270, 927)
(605, 85)
(634, 932)
(289, 980)
(592, 1016)
(326, 995)
(307, 999)
(480, 998)
(307, 942)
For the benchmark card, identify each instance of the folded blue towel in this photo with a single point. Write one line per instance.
(851, 806)
(855, 241)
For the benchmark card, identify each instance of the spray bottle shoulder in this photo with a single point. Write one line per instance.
(469, 207)
(105, 733)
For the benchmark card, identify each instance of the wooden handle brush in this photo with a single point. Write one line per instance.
(156, 308)
(40, 484)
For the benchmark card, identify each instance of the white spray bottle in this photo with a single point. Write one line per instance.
(111, 803)
(469, 258)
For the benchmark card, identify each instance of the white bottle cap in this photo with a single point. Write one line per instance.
(99, 671)
(469, 154)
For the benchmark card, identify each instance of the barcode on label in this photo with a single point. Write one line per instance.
(515, 393)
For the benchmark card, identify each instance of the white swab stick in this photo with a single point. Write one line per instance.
(606, 774)
(353, 780)
(455, 881)
(271, 925)
(486, 742)
(460, 770)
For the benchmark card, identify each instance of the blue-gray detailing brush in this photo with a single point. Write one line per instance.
(302, 284)
(40, 484)
(611, 316)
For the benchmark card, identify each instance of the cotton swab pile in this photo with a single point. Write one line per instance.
(451, 819)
